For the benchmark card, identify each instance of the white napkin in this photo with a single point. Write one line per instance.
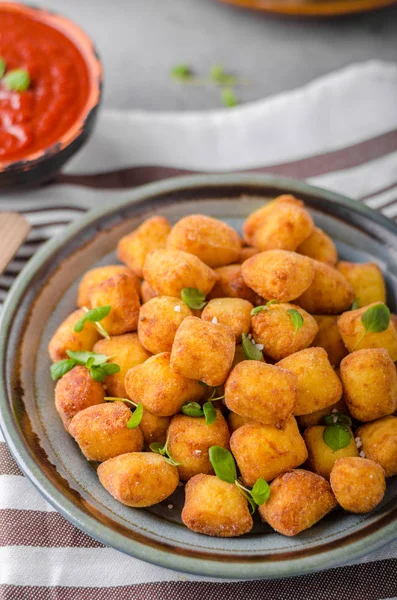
(339, 132)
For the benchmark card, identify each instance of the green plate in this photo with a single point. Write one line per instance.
(44, 294)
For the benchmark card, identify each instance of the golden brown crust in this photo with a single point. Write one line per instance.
(233, 312)
(126, 351)
(147, 292)
(352, 330)
(379, 440)
(65, 338)
(230, 284)
(358, 484)
(235, 421)
(98, 275)
(215, 507)
(261, 392)
(203, 351)
(120, 293)
(329, 338)
(321, 457)
(190, 438)
(161, 390)
(370, 384)
(212, 241)
(298, 500)
(246, 253)
(281, 224)
(75, 391)
(158, 322)
(278, 274)
(133, 248)
(329, 292)
(154, 428)
(274, 328)
(318, 384)
(265, 451)
(366, 280)
(317, 417)
(138, 478)
(101, 431)
(319, 246)
(169, 271)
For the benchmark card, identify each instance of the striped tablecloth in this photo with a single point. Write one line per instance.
(339, 132)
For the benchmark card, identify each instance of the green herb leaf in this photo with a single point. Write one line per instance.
(296, 318)
(96, 363)
(376, 318)
(336, 436)
(192, 409)
(61, 367)
(229, 98)
(90, 362)
(17, 80)
(182, 72)
(257, 310)
(356, 304)
(98, 373)
(94, 315)
(270, 302)
(218, 75)
(171, 461)
(136, 418)
(209, 413)
(247, 495)
(204, 384)
(157, 448)
(161, 449)
(82, 357)
(252, 503)
(223, 463)
(2, 66)
(110, 368)
(337, 417)
(261, 491)
(193, 298)
(251, 352)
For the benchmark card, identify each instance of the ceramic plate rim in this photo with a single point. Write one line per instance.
(99, 531)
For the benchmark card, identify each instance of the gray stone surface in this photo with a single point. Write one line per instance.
(140, 40)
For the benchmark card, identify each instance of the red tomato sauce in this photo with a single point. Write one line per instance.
(36, 119)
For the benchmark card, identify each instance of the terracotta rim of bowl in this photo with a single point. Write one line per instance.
(324, 8)
(95, 75)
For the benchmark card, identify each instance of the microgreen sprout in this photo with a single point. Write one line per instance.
(193, 298)
(296, 318)
(97, 365)
(136, 418)
(225, 468)
(375, 320)
(162, 449)
(95, 315)
(251, 351)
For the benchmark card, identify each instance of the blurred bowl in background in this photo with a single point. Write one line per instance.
(43, 126)
(314, 8)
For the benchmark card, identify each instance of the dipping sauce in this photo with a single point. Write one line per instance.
(37, 118)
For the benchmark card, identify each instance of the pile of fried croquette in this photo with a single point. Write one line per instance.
(271, 411)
